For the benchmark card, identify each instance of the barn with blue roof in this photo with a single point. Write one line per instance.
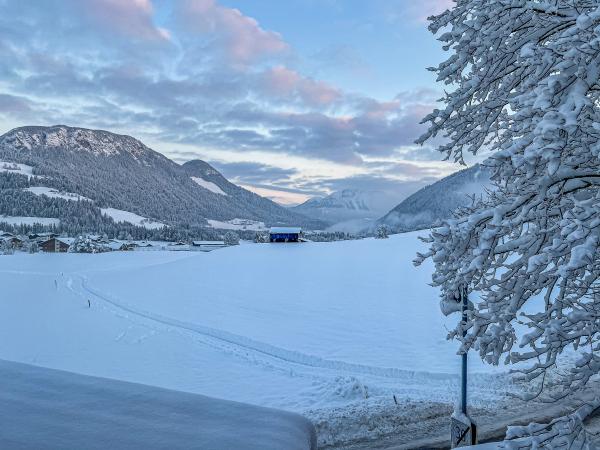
(285, 234)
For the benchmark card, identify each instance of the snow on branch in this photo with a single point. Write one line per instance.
(522, 83)
(566, 432)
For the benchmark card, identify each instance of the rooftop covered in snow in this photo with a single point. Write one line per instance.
(285, 230)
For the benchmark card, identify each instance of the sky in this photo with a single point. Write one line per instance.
(291, 99)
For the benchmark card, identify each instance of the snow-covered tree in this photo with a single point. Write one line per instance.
(523, 86)
(86, 244)
(261, 238)
(31, 246)
(381, 232)
(7, 247)
(231, 238)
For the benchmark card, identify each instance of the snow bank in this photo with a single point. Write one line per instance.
(119, 215)
(212, 187)
(42, 408)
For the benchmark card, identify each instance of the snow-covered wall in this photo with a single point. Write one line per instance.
(44, 408)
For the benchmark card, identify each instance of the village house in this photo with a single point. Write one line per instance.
(56, 245)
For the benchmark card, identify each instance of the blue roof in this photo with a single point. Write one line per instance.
(285, 230)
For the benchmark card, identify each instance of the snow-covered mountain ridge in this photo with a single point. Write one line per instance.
(120, 172)
(97, 142)
(438, 200)
(347, 205)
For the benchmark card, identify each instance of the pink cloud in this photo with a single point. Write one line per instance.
(285, 83)
(131, 18)
(243, 38)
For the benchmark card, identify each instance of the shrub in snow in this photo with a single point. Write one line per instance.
(381, 232)
(523, 85)
(231, 238)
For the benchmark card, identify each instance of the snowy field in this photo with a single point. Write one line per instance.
(212, 187)
(17, 220)
(22, 169)
(238, 224)
(337, 331)
(53, 193)
(119, 215)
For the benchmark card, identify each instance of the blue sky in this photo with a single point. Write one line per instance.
(290, 98)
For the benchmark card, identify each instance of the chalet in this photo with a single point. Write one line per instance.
(207, 246)
(41, 236)
(128, 246)
(285, 234)
(143, 245)
(56, 245)
(121, 246)
(13, 241)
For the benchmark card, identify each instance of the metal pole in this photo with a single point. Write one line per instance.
(465, 305)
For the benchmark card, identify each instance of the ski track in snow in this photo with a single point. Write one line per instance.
(366, 391)
(259, 349)
(332, 374)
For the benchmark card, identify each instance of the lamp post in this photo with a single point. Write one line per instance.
(463, 430)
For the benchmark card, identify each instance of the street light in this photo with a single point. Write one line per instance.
(463, 430)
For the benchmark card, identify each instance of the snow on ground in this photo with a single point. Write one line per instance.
(208, 185)
(348, 333)
(53, 193)
(119, 215)
(62, 410)
(22, 169)
(15, 220)
(238, 224)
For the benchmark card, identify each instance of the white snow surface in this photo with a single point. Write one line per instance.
(330, 330)
(53, 193)
(50, 409)
(212, 187)
(18, 220)
(22, 169)
(238, 224)
(119, 215)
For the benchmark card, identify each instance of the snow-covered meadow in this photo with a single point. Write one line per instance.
(311, 328)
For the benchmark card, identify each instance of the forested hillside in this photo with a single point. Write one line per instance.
(115, 171)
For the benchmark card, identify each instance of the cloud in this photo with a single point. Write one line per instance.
(217, 80)
(284, 83)
(241, 36)
(132, 18)
(14, 105)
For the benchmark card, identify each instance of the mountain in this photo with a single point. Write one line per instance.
(437, 201)
(248, 204)
(119, 177)
(348, 208)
